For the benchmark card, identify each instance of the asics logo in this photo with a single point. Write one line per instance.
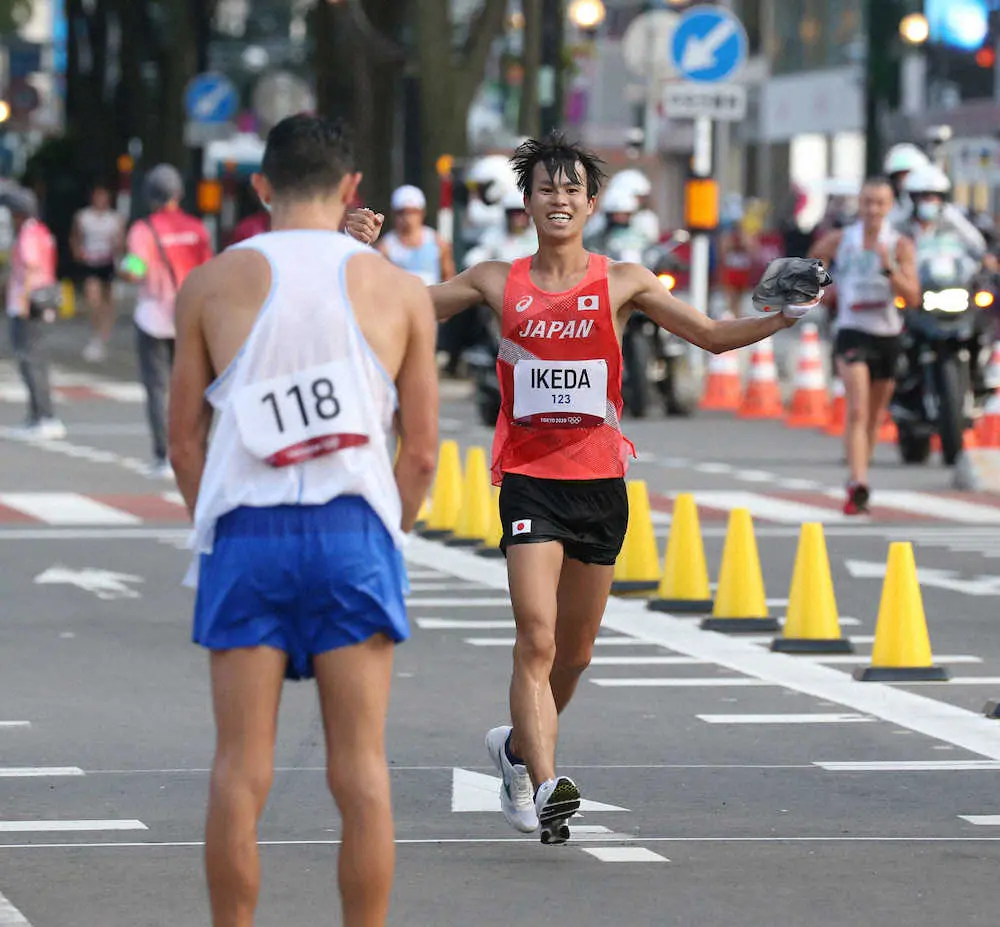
(524, 303)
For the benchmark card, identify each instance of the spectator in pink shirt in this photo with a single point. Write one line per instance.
(33, 299)
(161, 251)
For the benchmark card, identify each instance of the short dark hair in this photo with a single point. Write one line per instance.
(307, 155)
(558, 154)
(877, 180)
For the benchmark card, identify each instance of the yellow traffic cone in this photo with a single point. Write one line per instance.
(474, 515)
(423, 515)
(812, 625)
(902, 651)
(684, 585)
(740, 603)
(491, 546)
(446, 494)
(637, 569)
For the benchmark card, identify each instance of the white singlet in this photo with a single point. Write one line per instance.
(865, 298)
(100, 231)
(424, 260)
(305, 410)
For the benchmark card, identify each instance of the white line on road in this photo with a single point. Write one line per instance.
(419, 586)
(37, 772)
(956, 681)
(767, 507)
(589, 830)
(932, 717)
(66, 508)
(6, 724)
(943, 507)
(852, 659)
(32, 827)
(710, 467)
(458, 603)
(982, 820)
(787, 719)
(600, 642)
(95, 534)
(767, 638)
(458, 624)
(912, 766)
(625, 855)
(681, 682)
(645, 661)
(10, 916)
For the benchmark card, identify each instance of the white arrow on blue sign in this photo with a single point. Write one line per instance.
(709, 44)
(211, 98)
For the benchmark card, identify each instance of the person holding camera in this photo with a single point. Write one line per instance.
(33, 299)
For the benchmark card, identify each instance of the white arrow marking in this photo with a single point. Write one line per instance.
(699, 54)
(105, 584)
(473, 791)
(941, 579)
(205, 106)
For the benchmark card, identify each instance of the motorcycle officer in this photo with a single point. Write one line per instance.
(518, 238)
(899, 161)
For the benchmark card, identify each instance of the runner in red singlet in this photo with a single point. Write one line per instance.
(559, 455)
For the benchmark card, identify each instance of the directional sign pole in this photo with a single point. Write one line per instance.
(701, 165)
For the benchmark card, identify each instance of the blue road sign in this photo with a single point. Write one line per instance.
(211, 98)
(709, 44)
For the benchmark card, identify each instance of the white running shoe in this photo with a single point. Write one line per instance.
(95, 351)
(556, 802)
(516, 801)
(50, 429)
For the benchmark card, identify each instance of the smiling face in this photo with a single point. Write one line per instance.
(559, 205)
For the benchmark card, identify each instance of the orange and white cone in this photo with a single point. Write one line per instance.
(810, 405)
(837, 419)
(988, 426)
(762, 398)
(723, 389)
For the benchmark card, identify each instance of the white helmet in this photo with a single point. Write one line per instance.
(631, 181)
(904, 157)
(927, 179)
(618, 199)
(494, 173)
(512, 199)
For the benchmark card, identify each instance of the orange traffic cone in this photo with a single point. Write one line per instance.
(837, 419)
(988, 426)
(887, 432)
(762, 398)
(723, 389)
(810, 405)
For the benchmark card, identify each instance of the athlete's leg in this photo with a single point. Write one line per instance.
(583, 595)
(246, 691)
(855, 378)
(533, 575)
(879, 396)
(354, 685)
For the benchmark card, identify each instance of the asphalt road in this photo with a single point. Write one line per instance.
(732, 786)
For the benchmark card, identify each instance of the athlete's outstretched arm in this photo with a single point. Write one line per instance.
(471, 286)
(417, 421)
(667, 311)
(190, 411)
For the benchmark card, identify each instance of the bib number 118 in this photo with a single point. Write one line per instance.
(323, 404)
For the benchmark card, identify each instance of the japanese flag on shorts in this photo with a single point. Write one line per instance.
(520, 527)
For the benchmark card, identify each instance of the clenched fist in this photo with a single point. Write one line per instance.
(364, 225)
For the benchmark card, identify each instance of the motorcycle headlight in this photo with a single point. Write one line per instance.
(954, 300)
(984, 299)
(668, 280)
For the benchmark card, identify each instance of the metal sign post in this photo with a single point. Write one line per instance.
(709, 46)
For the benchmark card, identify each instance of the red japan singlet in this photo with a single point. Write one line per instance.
(560, 371)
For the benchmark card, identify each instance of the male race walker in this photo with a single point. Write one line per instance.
(314, 353)
(559, 455)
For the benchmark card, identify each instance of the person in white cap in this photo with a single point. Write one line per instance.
(899, 161)
(412, 244)
(635, 182)
(519, 238)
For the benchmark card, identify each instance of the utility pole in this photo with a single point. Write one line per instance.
(550, 72)
(882, 62)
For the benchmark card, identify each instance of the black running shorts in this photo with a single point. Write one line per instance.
(879, 352)
(588, 517)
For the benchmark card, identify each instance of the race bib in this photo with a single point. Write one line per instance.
(568, 394)
(302, 415)
(869, 295)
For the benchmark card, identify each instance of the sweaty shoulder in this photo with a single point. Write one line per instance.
(490, 278)
(385, 299)
(625, 281)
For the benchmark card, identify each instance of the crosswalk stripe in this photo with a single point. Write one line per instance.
(768, 508)
(66, 508)
(460, 624)
(49, 827)
(946, 508)
(681, 682)
(10, 916)
(817, 718)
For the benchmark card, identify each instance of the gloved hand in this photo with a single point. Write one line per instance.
(792, 286)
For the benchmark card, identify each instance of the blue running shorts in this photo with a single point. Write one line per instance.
(304, 579)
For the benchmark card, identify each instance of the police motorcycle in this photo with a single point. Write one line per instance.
(946, 347)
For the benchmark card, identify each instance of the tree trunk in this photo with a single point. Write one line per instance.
(528, 117)
(449, 81)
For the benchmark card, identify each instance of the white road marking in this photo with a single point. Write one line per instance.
(458, 603)
(756, 476)
(767, 638)
(851, 659)
(645, 661)
(12, 724)
(932, 717)
(100, 430)
(105, 584)
(946, 508)
(120, 392)
(38, 827)
(982, 820)
(475, 791)
(600, 642)
(681, 682)
(10, 916)
(458, 624)
(625, 855)
(957, 681)
(797, 483)
(438, 587)
(912, 766)
(711, 467)
(94, 534)
(589, 830)
(37, 772)
(766, 507)
(786, 719)
(776, 601)
(425, 574)
(66, 508)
